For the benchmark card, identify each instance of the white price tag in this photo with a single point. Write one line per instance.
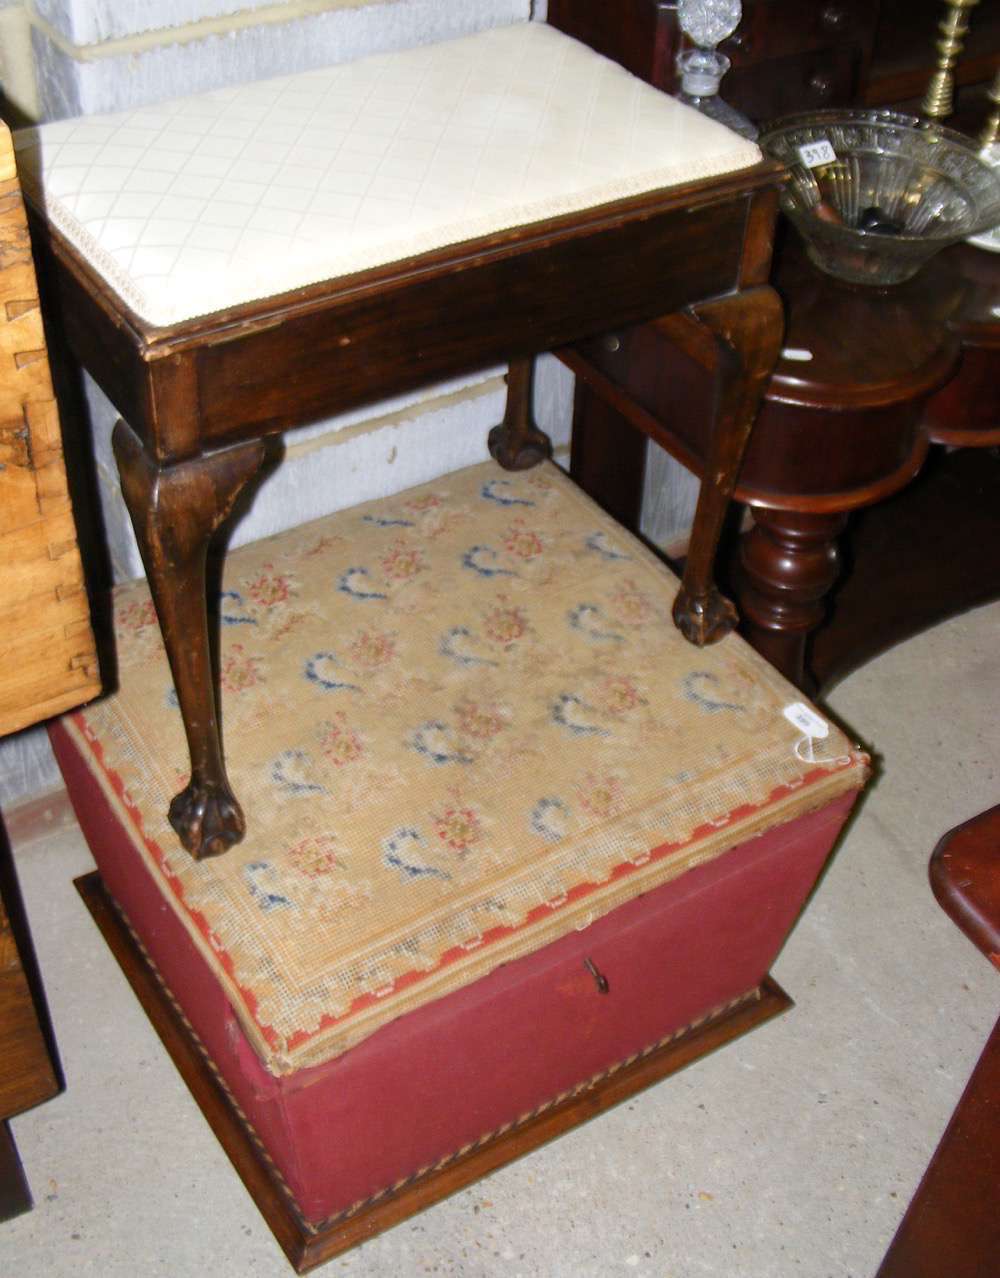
(813, 154)
(806, 720)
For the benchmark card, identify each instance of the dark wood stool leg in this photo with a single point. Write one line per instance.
(518, 444)
(175, 510)
(789, 562)
(745, 332)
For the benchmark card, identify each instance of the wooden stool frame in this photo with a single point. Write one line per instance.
(199, 398)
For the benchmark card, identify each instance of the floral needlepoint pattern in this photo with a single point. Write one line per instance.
(702, 687)
(373, 649)
(481, 721)
(550, 818)
(270, 588)
(240, 670)
(355, 582)
(459, 828)
(631, 605)
(420, 505)
(260, 877)
(438, 744)
(599, 543)
(135, 616)
(601, 794)
(506, 625)
(576, 715)
(315, 855)
(388, 523)
(403, 562)
(323, 669)
(590, 620)
(460, 723)
(405, 851)
(620, 694)
(522, 542)
(233, 610)
(459, 645)
(340, 743)
(484, 561)
(319, 547)
(503, 492)
(295, 772)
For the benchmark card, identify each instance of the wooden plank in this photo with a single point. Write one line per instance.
(51, 612)
(48, 661)
(26, 1073)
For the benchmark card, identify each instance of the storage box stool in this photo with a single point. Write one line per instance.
(514, 847)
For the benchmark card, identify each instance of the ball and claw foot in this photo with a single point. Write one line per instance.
(518, 451)
(704, 621)
(207, 818)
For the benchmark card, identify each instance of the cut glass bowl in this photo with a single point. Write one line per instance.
(875, 194)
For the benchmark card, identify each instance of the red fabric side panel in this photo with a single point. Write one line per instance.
(446, 1074)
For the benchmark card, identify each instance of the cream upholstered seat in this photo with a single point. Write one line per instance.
(195, 205)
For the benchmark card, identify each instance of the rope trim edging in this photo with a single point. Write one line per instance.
(430, 1169)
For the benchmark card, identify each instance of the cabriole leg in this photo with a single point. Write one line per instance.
(518, 444)
(746, 330)
(175, 510)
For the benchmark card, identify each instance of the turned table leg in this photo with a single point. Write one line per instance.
(745, 331)
(518, 444)
(175, 509)
(789, 562)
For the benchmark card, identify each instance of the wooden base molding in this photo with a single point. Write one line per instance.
(307, 1245)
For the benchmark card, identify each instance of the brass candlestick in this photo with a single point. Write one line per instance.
(991, 129)
(940, 97)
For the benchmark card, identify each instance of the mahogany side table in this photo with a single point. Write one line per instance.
(840, 428)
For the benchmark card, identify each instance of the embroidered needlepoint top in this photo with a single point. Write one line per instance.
(462, 724)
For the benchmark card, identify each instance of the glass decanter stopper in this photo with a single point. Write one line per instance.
(707, 23)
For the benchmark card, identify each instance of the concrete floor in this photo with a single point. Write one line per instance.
(792, 1152)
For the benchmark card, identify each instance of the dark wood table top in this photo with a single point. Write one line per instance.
(965, 876)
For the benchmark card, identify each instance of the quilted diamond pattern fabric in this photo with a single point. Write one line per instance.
(198, 204)
(462, 724)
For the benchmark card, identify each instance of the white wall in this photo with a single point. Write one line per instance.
(102, 55)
